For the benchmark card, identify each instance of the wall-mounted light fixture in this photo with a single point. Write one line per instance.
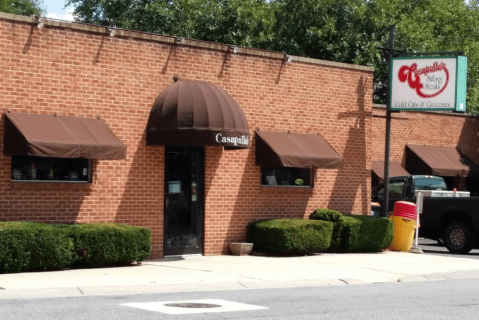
(180, 40)
(234, 48)
(288, 57)
(176, 78)
(112, 31)
(39, 21)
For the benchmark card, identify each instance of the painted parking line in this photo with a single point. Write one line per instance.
(193, 306)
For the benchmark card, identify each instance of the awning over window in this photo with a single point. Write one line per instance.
(395, 169)
(60, 137)
(439, 161)
(196, 113)
(282, 149)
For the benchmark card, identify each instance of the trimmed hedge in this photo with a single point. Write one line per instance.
(101, 244)
(328, 230)
(338, 229)
(366, 233)
(355, 233)
(33, 246)
(39, 246)
(326, 215)
(290, 236)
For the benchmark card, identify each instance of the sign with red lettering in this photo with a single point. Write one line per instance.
(428, 83)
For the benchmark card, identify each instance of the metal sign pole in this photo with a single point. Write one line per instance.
(385, 211)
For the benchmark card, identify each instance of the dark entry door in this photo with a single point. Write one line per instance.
(183, 200)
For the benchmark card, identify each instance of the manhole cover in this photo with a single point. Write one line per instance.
(192, 305)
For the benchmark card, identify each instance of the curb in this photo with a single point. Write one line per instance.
(244, 284)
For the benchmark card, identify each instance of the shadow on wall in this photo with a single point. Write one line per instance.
(233, 203)
(351, 180)
(469, 145)
(29, 42)
(141, 200)
(39, 202)
(98, 52)
(469, 139)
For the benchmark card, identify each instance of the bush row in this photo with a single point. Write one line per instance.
(290, 236)
(328, 230)
(39, 246)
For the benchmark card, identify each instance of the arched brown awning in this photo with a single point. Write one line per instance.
(197, 113)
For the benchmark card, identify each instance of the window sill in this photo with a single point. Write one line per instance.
(284, 186)
(281, 188)
(20, 184)
(49, 181)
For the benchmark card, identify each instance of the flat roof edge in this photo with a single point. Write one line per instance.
(188, 42)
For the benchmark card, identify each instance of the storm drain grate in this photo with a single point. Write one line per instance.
(192, 305)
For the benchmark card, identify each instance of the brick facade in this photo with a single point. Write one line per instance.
(424, 128)
(79, 70)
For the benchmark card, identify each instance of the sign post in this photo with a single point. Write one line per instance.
(390, 50)
(421, 82)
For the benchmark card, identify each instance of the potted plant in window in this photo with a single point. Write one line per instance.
(299, 182)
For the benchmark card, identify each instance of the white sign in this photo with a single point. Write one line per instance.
(174, 187)
(423, 83)
(243, 140)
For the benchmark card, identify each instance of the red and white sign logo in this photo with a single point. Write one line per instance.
(428, 82)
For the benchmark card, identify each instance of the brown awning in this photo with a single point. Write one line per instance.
(439, 161)
(395, 169)
(60, 137)
(196, 113)
(283, 149)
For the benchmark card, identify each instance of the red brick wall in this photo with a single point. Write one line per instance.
(79, 70)
(424, 128)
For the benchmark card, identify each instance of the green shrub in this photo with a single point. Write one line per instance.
(101, 244)
(365, 233)
(38, 246)
(333, 216)
(355, 233)
(290, 236)
(33, 246)
(326, 215)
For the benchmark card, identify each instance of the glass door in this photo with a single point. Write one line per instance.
(183, 200)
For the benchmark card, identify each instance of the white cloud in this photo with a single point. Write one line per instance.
(67, 16)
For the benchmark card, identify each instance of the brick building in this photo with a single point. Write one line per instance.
(458, 133)
(196, 186)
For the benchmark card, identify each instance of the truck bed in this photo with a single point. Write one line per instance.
(439, 212)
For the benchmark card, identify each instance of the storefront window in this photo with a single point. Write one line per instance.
(294, 177)
(26, 168)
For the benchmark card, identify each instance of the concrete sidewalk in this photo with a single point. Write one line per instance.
(200, 273)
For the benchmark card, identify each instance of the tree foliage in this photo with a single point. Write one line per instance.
(428, 26)
(348, 31)
(22, 7)
(240, 22)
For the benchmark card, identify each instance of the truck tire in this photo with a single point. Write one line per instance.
(459, 238)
